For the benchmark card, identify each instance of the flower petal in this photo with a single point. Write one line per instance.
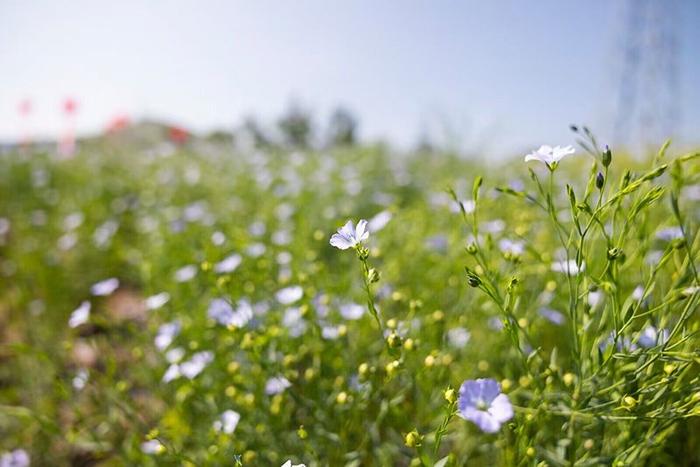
(340, 241)
(501, 408)
(361, 233)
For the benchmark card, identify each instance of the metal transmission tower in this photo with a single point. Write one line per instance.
(648, 95)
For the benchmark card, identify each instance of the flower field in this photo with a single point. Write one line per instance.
(199, 303)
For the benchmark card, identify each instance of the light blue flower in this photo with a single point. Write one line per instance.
(349, 236)
(550, 155)
(481, 402)
(16, 458)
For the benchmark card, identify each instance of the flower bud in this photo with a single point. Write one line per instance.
(413, 439)
(472, 278)
(373, 276)
(615, 253)
(302, 433)
(471, 248)
(394, 340)
(569, 379)
(629, 402)
(450, 395)
(599, 181)
(607, 156)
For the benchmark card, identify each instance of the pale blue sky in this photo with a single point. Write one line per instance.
(504, 75)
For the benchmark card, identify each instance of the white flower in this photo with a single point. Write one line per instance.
(228, 264)
(105, 287)
(81, 315)
(152, 447)
(330, 332)
(349, 236)
(550, 155)
(196, 364)
(515, 248)
(173, 372)
(186, 273)
(255, 250)
(223, 313)
(379, 221)
(158, 300)
(458, 337)
(569, 267)
(276, 385)
(594, 297)
(81, 379)
(289, 464)
(289, 295)
(228, 422)
(166, 334)
(294, 322)
(175, 355)
(218, 238)
(352, 311)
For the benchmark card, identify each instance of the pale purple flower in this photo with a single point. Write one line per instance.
(190, 368)
(552, 316)
(515, 248)
(227, 422)
(669, 233)
(379, 221)
(228, 264)
(550, 155)
(218, 238)
(458, 337)
(152, 446)
(650, 336)
(67, 241)
(16, 458)
(351, 311)
(481, 402)
(349, 236)
(293, 321)
(330, 332)
(289, 295)
(105, 287)
(186, 273)
(158, 300)
(173, 372)
(638, 293)
(569, 267)
(594, 297)
(276, 385)
(81, 315)
(256, 250)
(494, 226)
(175, 355)
(166, 334)
(194, 366)
(223, 313)
(81, 379)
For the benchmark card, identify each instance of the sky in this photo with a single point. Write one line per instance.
(493, 76)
